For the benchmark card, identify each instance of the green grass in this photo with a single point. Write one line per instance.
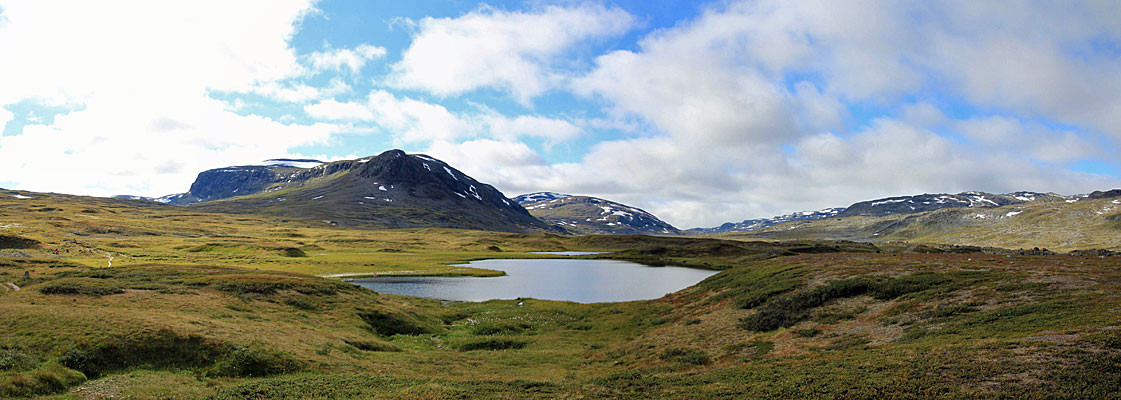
(787, 310)
(206, 306)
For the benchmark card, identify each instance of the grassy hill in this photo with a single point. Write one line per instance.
(221, 306)
(1052, 223)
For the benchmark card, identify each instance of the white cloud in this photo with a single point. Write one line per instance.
(137, 74)
(291, 92)
(350, 59)
(505, 50)
(5, 117)
(1031, 139)
(410, 120)
(333, 110)
(733, 139)
(553, 130)
(691, 83)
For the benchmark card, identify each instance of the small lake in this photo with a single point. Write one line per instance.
(581, 281)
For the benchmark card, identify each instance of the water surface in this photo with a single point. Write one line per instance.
(581, 281)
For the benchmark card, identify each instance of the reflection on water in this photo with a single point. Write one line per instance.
(582, 281)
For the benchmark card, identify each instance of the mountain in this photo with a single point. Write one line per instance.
(169, 199)
(900, 205)
(753, 224)
(391, 190)
(930, 202)
(592, 215)
(1060, 223)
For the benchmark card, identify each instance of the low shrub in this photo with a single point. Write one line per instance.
(15, 358)
(491, 344)
(501, 328)
(790, 309)
(629, 381)
(370, 345)
(302, 303)
(52, 378)
(17, 242)
(165, 349)
(253, 361)
(807, 332)
(267, 284)
(686, 355)
(80, 286)
(292, 252)
(394, 323)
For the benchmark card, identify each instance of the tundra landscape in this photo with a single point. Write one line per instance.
(749, 199)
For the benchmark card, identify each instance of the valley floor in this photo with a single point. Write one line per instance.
(229, 307)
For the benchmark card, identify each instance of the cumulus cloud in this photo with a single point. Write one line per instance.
(750, 109)
(137, 76)
(1030, 139)
(410, 120)
(512, 51)
(550, 129)
(735, 134)
(294, 92)
(350, 59)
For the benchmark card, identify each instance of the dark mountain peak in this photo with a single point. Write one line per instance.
(392, 189)
(1098, 194)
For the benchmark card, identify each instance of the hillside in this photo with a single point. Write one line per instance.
(1052, 222)
(884, 207)
(592, 215)
(391, 190)
(194, 307)
(930, 202)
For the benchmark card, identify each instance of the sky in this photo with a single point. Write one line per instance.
(699, 112)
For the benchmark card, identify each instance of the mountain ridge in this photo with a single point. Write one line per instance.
(593, 215)
(390, 190)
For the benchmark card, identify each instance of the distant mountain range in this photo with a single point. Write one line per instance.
(399, 190)
(930, 202)
(593, 215)
(753, 224)
(899, 205)
(1051, 221)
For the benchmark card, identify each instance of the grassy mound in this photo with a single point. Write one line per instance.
(386, 323)
(166, 349)
(266, 284)
(52, 378)
(81, 286)
(17, 242)
(491, 344)
(790, 309)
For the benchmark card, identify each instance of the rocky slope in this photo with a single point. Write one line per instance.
(592, 215)
(391, 190)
